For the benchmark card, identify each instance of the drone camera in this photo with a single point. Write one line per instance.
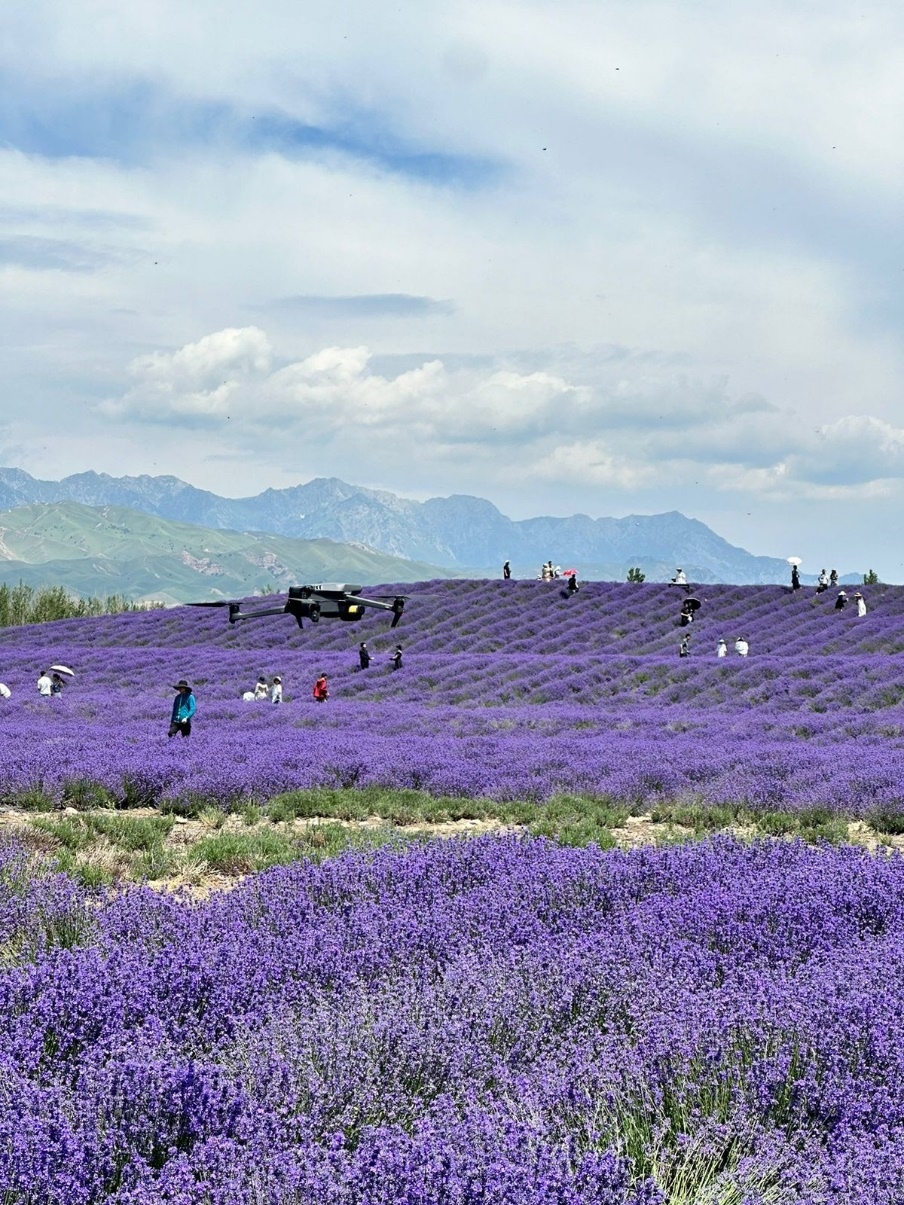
(351, 612)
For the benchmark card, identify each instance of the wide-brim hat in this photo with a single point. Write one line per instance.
(182, 685)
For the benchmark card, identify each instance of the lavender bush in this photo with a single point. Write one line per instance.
(494, 1021)
(509, 690)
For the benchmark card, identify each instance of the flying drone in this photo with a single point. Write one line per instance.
(331, 600)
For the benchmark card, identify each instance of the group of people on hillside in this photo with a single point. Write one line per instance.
(262, 691)
(50, 684)
(825, 581)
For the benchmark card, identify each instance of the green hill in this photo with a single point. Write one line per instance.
(112, 550)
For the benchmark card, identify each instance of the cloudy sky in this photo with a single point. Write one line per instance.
(610, 257)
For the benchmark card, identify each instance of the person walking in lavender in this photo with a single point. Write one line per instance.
(833, 579)
(396, 657)
(45, 685)
(721, 648)
(321, 691)
(506, 571)
(684, 649)
(861, 604)
(363, 656)
(183, 710)
(822, 582)
(795, 578)
(841, 600)
(276, 690)
(742, 648)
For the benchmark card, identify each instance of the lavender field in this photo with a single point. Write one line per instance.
(501, 1021)
(509, 690)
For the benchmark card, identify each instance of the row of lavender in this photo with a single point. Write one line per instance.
(507, 690)
(490, 1021)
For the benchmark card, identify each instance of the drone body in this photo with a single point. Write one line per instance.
(330, 600)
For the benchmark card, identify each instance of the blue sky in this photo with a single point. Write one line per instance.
(605, 257)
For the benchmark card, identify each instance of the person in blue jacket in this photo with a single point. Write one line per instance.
(183, 710)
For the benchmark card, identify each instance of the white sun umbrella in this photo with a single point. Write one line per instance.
(63, 669)
(5, 691)
(794, 560)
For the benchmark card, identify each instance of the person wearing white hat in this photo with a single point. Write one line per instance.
(276, 690)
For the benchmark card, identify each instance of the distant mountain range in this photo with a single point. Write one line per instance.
(460, 534)
(114, 550)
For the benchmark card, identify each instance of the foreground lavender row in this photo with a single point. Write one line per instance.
(507, 690)
(488, 1021)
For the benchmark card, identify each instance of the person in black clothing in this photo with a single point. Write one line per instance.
(684, 650)
(795, 578)
(363, 655)
(841, 601)
(573, 583)
(833, 578)
(397, 657)
(506, 571)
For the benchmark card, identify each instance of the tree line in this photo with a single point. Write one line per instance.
(27, 604)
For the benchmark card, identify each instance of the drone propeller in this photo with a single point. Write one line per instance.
(220, 602)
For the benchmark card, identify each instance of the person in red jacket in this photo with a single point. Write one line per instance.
(321, 690)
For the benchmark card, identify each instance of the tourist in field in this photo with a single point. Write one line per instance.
(321, 691)
(183, 710)
(363, 656)
(56, 685)
(45, 684)
(742, 648)
(684, 649)
(841, 600)
(276, 690)
(396, 657)
(687, 613)
(721, 648)
(833, 578)
(861, 603)
(506, 571)
(573, 586)
(261, 689)
(795, 578)
(680, 579)
(823, 581)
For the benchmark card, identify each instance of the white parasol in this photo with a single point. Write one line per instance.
(5, 691)
(63, 669)
(794, 560)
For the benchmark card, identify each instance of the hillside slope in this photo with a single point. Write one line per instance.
(506, 689)
(112, 550)
(459, 532)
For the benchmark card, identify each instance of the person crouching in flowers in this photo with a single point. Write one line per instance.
(183, 710)
(321, 691)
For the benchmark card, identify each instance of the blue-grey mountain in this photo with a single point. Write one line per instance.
(460, 533)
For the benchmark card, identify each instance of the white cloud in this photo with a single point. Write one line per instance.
(621, 422)
(855, 450)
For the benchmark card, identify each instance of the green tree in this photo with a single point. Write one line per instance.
(871, 578)
(635, 575)
(24, 604)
